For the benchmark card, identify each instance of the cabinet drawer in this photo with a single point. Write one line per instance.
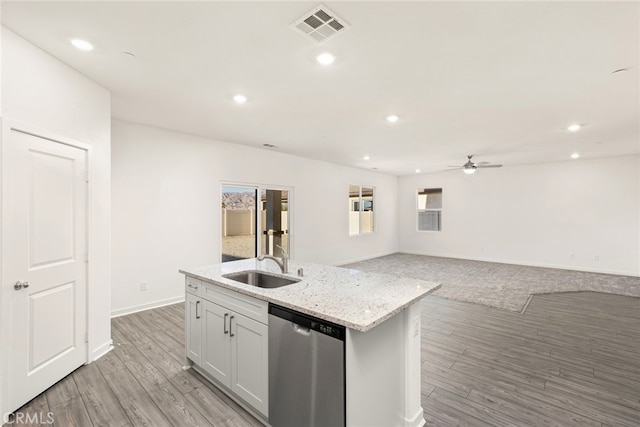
(250, 307)
(193, 286)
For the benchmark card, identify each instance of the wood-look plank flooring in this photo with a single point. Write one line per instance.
(570, 360)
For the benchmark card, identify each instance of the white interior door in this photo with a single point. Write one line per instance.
(44, 238)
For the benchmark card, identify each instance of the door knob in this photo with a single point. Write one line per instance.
(20, 284)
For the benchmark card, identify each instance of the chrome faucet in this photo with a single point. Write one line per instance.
(283, 262)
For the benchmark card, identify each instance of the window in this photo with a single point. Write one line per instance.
(360, 209)
(430, 209)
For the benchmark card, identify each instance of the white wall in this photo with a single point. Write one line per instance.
(534, 215)
(166, 208)
(41, 91)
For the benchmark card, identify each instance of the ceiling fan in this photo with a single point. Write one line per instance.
(470, 166)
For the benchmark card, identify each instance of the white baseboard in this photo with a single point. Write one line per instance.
(416, 421)
(526, 263)
(146, 306)
(105, 348)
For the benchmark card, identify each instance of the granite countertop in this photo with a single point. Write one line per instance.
(351, 298)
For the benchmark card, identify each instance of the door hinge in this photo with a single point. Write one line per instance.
(86, 258)
(86, 338)
(86, 177)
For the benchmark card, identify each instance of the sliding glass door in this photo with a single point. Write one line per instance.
(238, 222)
(255, 220)
(274, 225)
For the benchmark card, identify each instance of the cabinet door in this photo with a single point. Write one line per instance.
(249, 361)
(193, 314)
(216, 354)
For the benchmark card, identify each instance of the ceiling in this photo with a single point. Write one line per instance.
(501, 80)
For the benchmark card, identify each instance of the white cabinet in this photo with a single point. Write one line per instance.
(193, 315)
(250, 361)
(227, 338)
(217, 354)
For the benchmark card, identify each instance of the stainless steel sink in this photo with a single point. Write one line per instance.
(260, 279)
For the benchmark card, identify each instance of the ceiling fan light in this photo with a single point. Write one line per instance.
(469, 170)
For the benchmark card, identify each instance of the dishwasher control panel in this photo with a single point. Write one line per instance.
(330, 330)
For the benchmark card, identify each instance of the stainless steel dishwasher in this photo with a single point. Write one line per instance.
(306, 370)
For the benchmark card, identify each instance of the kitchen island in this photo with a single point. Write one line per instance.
(380, 313)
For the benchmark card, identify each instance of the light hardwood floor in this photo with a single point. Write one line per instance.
(570, 360)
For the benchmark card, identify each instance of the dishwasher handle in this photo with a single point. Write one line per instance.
(301, 329)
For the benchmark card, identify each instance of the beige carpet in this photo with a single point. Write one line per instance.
(503, 286)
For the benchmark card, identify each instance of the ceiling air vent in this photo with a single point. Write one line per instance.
(320, 24)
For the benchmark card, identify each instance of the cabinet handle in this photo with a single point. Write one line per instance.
(197, 305)
(225, 323)
(19, 285)
(231, 334)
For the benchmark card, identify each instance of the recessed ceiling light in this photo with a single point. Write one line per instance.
(325, 58)
(367, 157)
(240, 99)
(620, 70)
(269, 145)
(129, 54)
(417, 170)
(392, 118)
(575, 155)
(82, 45)
(574, 128)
